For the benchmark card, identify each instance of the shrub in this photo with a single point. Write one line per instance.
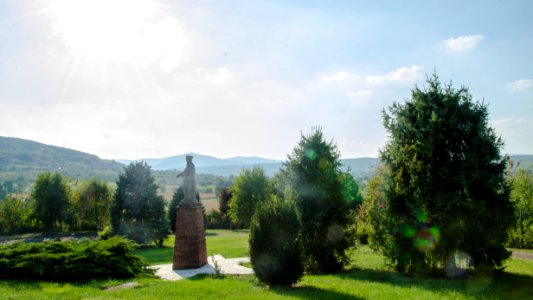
(72, 260)
(325, 198)
(274, 244)
(216, 220)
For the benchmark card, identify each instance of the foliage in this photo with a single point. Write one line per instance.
(224, 200)
(316, 183)
(14, 215)
(137, 211)
(521, 235)
(448, 193)
(372, 220)
(220, 219)
(274, 244)
(351, 191)
(71, 260)
(21, 161)
(176, 200)
(52, 204)
(92, 201)
(248, 189)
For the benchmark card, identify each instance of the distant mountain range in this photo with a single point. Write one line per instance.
(21, 158)
(177, 162)
(360, 167)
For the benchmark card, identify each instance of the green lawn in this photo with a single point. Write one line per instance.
(365, 278)
(228, 243)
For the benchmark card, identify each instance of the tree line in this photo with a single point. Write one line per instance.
(444, 196)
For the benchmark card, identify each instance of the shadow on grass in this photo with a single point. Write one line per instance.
(300, 292)
(211, 234)
(311, 292)
(500, 285)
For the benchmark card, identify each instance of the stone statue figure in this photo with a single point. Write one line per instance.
(189, 187)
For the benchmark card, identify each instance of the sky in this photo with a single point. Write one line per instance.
(131, 79)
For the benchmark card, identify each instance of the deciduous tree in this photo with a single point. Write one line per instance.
(249, 188)
(92, 203)
(52, 205)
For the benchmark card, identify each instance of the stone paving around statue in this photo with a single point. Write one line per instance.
(225, 266)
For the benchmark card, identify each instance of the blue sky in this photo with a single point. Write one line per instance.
(143, 78)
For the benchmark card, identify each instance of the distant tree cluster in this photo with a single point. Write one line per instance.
(55, 205)
(134, 210)
(521, 234)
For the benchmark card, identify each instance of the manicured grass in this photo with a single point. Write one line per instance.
(365, 278)
(227, 243)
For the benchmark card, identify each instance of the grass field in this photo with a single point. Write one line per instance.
(365, 278)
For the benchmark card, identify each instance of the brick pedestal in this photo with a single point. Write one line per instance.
(189, 248)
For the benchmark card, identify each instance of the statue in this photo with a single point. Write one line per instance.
(189, 187)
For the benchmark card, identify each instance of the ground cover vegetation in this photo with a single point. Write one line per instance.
(72, 260)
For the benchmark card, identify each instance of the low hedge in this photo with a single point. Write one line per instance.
(72, 260)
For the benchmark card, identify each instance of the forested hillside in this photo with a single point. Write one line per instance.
(21, 161)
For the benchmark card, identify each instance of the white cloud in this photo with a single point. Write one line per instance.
(463, 43)
(222, 77)
(337, 77)
(359, 94)
(519, 85)
(402, 75)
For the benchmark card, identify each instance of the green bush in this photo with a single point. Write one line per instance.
(216, 220)
(72, 260)
(274, 244)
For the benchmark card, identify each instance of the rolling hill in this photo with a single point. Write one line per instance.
(21, 160)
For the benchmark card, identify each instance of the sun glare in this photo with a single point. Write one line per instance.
(118, 31)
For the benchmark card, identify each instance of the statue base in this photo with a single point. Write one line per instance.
(189, 248)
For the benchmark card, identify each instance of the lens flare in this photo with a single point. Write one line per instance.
(311, 154)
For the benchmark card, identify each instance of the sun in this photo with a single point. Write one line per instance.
(110, 31)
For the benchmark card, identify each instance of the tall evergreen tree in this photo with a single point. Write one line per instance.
(137, 211)
(448, 192)
(317, 185)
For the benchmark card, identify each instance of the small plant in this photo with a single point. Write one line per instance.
(274, 244)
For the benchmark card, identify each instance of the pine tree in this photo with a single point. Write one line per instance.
(137, 211)
(448, 192)
(317, 185)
